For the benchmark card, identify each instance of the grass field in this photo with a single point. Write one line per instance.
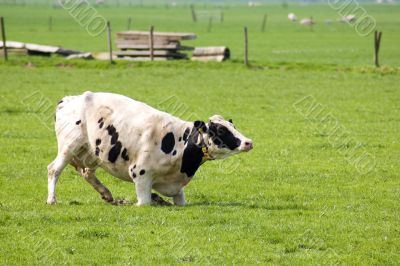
(282, 41)
(296, 199)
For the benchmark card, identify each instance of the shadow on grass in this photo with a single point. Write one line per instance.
(265, 206)
(270, 207)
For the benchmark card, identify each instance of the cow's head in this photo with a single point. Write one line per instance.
(222, 138)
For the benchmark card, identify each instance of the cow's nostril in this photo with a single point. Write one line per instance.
(248, 145)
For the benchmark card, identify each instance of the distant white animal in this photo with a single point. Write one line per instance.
(307, 21)
(252, 4)
(292, 17)
(349, 18)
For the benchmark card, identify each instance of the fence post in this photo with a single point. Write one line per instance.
(264, 22)
(377, 42)
(129, 23)
(3, 37)
(311, 23)
(209, 24)
(246, 51)
(50, 23)
(194, 18)
(151, 43)
(109, 41)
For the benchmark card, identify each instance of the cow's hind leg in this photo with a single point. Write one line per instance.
(54, 170)
(90, 177)
(179, 199)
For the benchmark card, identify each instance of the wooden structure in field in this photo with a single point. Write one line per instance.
(149, 45)
(133, 46)
(21, 48)
(217, 54)
(29, 48)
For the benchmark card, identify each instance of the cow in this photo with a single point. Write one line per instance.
(136, 143)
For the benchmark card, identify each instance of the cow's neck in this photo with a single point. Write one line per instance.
(195, 153)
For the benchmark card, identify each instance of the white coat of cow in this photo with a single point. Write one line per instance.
(136, 143)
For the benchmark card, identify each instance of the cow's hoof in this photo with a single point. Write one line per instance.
(157, 200)
(144, 203)
(51, 201)
(107, 197)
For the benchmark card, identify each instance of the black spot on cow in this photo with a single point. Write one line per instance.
(98, 142)
(111, 130)
(133, 171)
(114, 152)
(192, 154)
(180, 139)
(100, 122)
(200, 126)
(113, 133)
(114, 138)
(60, 102)
(78, 122)
(142, 172)
(222, 137)
(124, 155)
(97, 152)
(168, 143)
(186, 134)
(174, 153)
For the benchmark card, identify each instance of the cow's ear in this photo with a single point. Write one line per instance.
(200, 126)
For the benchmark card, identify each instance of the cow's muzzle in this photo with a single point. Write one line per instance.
(246, 145)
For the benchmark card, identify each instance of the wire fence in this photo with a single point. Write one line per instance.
(172, 3)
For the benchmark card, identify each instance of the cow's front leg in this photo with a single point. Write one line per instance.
(179, 199)
(143, 186)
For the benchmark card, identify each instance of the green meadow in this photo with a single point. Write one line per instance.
(298, 198)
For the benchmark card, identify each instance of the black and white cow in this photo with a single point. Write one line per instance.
(136, 143)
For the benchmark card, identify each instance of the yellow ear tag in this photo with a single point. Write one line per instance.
(206, 154)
